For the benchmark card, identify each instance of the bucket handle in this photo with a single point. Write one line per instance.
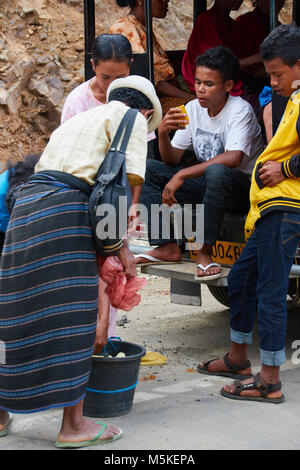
(109, 341)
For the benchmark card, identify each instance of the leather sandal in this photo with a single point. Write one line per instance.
(232, 372)
(257, 384)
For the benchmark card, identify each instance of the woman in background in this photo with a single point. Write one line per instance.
(111, 59)
(256, 26)
(133, 27)
(214, 27)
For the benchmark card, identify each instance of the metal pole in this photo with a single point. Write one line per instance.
(149, 39)
(199, 7)
(89, 36)
(296, 12)
(272, 15)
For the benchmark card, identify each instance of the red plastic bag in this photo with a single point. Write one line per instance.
(122, 292)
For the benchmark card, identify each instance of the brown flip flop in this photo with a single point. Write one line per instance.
(232, 369)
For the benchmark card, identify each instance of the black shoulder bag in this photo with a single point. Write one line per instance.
(110, 199)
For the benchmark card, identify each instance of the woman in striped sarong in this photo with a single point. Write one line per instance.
(48, 268)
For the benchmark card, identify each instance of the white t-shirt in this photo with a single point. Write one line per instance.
(234, 128)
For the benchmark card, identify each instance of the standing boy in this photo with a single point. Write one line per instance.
(258, 282)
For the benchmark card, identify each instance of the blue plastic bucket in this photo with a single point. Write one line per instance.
(111, 387)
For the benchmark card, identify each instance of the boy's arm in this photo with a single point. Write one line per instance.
(173, 119)
(291, 167)
(231, 158)
(272, 173)
(166, 88)
(170, 155)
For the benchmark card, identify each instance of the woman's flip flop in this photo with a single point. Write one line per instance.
(92, 442)
(4, 431)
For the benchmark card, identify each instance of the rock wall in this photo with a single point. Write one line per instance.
(41, 57)
(42, 60)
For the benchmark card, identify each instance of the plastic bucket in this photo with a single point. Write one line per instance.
(112, 383)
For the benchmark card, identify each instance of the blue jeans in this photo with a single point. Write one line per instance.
(220, 189)
(258, 282)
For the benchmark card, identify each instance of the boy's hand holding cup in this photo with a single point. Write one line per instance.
(175, 118)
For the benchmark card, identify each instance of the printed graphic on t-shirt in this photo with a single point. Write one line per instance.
(208, 145)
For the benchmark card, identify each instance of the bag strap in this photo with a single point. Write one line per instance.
(127, 123)
(114, 159)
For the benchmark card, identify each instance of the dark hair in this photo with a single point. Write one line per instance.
(111, 46)
(223, 60)
(133, 98)
(284, 43)
(19, 174)
(126, 3)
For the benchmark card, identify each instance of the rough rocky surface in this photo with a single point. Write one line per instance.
(42, 57)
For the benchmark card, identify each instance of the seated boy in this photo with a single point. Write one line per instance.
(226, 139)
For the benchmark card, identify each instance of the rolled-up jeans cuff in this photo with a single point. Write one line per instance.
(240, 338)
(272, 358)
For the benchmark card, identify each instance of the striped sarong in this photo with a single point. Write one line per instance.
(48, 300)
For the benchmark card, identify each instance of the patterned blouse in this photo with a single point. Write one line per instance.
(130, 27)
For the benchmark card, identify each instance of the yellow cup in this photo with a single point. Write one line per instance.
(183, 110)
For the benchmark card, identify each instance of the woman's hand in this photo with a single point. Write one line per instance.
(168, 195)
(128, 260)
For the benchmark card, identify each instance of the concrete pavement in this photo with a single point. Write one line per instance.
(181, 409)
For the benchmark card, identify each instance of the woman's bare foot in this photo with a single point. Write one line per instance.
(204, 258)
(167, 252)
(75, 428)
(4, 419)
(85, 431)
